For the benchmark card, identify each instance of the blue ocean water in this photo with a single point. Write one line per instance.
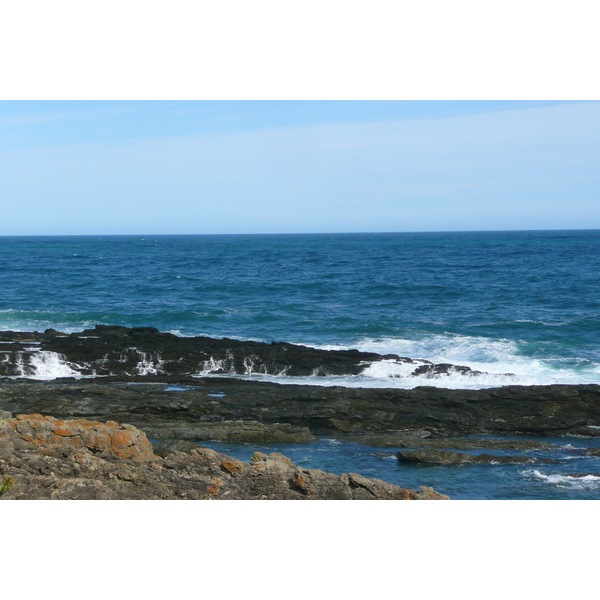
(525, 303)
(538, 481)
(521, 302)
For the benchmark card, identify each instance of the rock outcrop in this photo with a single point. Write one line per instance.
(145, 351)
(106, 439)
(48, 458)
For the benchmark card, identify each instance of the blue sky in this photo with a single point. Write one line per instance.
(144, 167)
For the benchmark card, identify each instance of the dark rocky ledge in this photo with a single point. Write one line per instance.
(121, 351)
(213, 408)
(43, 457)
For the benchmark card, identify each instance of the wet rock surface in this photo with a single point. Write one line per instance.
(122, 351)
(49, 458)
(431, 456)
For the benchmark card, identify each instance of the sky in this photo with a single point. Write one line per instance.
(195, 167)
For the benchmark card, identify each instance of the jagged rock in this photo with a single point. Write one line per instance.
(145, 351)
(49, 458)
(447, 457)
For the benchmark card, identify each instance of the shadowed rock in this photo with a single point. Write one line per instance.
(592, 451)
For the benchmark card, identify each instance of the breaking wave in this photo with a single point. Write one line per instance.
(577, 482)
(42, 365)
(502, 361)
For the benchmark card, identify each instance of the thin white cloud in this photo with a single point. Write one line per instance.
(335, 173)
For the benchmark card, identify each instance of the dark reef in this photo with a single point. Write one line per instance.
(216, 408)
(122, 351)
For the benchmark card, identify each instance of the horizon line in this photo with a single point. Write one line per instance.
(293, 233)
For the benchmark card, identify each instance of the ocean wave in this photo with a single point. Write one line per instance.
(494, 357)
(571, 481)
(43, 365)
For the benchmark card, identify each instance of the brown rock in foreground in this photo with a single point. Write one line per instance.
(49, 458)
(108, 439)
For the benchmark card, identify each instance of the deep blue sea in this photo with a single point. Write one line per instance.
(525, 303)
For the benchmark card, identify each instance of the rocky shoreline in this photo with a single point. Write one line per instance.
(42, 457)
(170, 388)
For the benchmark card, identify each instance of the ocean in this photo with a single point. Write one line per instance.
(523, 307)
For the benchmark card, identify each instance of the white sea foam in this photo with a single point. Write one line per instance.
(566, 481)
(389, 368)
(253, 368)
(214, 366)
(250, 366)
(149, 365)
(44, 365)
(499, 359)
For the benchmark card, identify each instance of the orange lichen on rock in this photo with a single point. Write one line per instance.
(213, 489)
(300, 482)
(232, 466)
(122, 441)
